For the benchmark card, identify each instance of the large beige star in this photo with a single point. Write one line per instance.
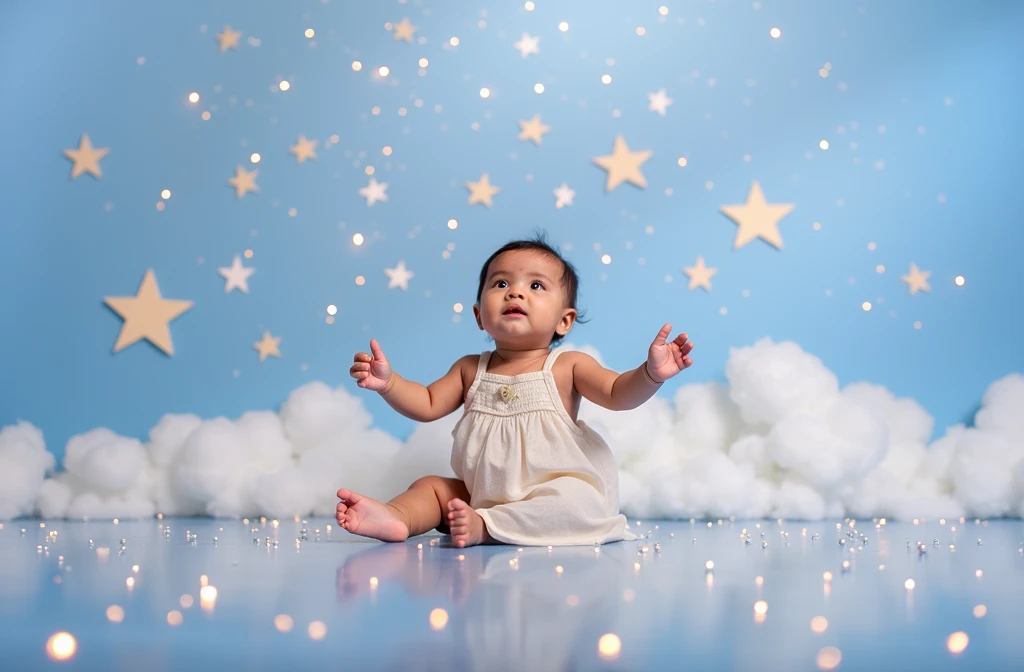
(304, 149)
(482, 191)
(757, 219)
(917, 279)
(268, 346)
(146, 315)
(700, 275)
(228, 39)
(86, 158)
(244, 181)
(404, 30)
(623, 165)
(532, 129)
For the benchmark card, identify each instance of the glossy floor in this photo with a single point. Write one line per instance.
(784, 596)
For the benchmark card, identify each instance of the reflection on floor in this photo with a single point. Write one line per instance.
(757, 595)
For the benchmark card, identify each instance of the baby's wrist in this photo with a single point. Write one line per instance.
(649, 377)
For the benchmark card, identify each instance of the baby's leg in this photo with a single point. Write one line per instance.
(424, 506)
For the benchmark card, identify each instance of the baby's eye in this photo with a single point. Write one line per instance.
(497, 282)
(537, 283)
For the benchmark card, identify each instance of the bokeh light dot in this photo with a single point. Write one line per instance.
(193, 97)
(775, 33)
(61, 646)
(357, 66)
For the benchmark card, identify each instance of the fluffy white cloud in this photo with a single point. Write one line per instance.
(778, 439)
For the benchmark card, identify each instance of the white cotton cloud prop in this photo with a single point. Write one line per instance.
(778, 438)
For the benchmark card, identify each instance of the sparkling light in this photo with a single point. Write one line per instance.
(829, 657)
(606, 259)
(959, 280)
(438, 619)
(165, 194)
(606, 79)
(760, 607)
(283, 622)
(609, 646)
(357, 239)
(538, 88)
(563, 26)
(357, 66)
(424, 62)
(823, 144)
(819, 624)
(980, 611)
(193, 97)
(957, 642)
(454, 41)
(174, 618)
(255, 157)
(61, 646)
(383, 71)
(453, 224)
(529, 6)
(310, 33)
(317, 630)
(485, 92)
(284, 85)
(332, 309)
(866, 306)
(115, 614)
(775, 33)
(909, 584)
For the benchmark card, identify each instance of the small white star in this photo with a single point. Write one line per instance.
(527, 45)
(237, 276)
(659, 102)
(374, 191)
(398, 276)
(564, 195)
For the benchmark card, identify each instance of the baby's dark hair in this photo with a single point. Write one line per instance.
(570, 279)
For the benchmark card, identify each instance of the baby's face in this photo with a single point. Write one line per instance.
(531, 281)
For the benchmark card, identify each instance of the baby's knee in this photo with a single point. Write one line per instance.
(433, 482)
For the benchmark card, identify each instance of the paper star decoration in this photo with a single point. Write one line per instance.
(757, 219)
(237, 276)
(244, 181)
(228, 39)
(268, 346)
(623, 165)
(527, 45)
(917, 279)
(564, 195)
(146, 315)
(533, 130)
(86, 158)
(398, 276)
(303, 149)
(404, 30)
(700, 275)
(374, 191)
(659, 102)
(482, 191)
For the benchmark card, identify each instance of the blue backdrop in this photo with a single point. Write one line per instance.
(920, 106)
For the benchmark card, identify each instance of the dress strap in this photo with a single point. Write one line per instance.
(550, 361)
(481, 366)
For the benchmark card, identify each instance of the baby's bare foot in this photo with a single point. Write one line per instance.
(369, 518)
(466, 525)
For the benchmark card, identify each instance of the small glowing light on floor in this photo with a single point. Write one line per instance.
(208, 597)
(866, 306)
(485, 92)
(438, 619)
(373, 582)
(61, 646)
(283, 622)
(205, 580)
(909, 584)
(959, 280)
(130, 582)
(759, 580)
(663, 10)
(957, 642)
(823, 144)
(709, 579)
(357, 239)
(980, 611)
(186, 601)
(310, 33)
(284, 85)
(529, 6)
(558, 569)
(357, 66)
(609, 646)
(606, 259)
(332, 309)
(640, 30)
(606, 79)
(819, 624)
(760, 607)
(829, 657)
(538, 88)
(453, 224)
(827, 576)
(174, 618)
(775, 33)
(255, 157)
(978, 573)
(563, 26)
(710, 564)
(317, 630)
(636, 566)
(102, 552)
(193, 97)
(115, 614)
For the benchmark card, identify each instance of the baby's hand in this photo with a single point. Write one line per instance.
(665, 360)
(373, 373)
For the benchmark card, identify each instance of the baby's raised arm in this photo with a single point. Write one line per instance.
(411, 399)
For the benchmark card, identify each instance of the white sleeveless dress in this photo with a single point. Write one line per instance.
(536, 477)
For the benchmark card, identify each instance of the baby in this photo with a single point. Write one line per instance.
(528, 472)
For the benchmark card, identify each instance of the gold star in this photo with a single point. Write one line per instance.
(244, 181)
(228, 39)
(482, 191)
(268, 346)
(533, 129)
(757, 219)
(623, 165)
(146, 315)
(700, 275)
(404, 30)
(86, 158)
(917, 279)
(304, 149)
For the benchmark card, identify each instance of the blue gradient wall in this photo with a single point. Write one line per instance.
(921, 109)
